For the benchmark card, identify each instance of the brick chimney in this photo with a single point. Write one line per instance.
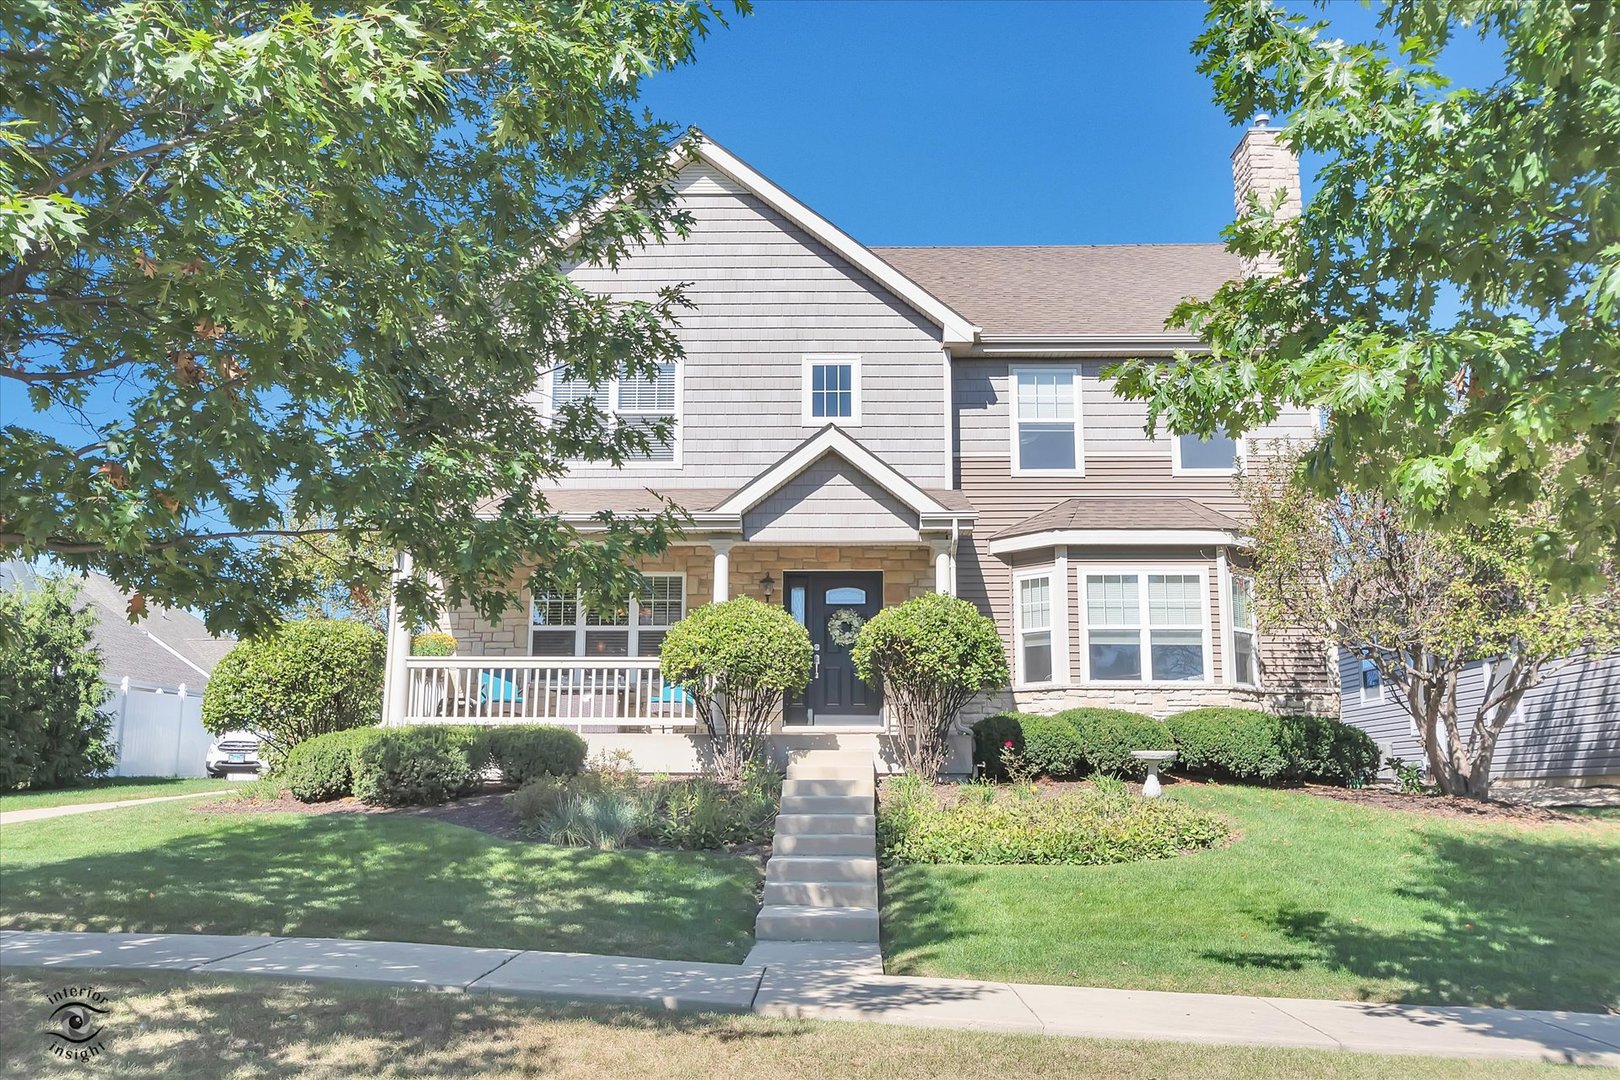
(1263, 166)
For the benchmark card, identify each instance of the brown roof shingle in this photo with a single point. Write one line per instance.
(1126, 512)
(1125, 290)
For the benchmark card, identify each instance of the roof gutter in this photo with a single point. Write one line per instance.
(1114, 538)
(1085, 345)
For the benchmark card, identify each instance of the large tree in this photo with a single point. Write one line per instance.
(305, 262)
(1451, 293)
(1424, 607)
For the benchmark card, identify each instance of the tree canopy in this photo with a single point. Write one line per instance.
(1451, 293)
(306, 262)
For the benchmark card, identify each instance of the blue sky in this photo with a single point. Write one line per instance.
(980, 123)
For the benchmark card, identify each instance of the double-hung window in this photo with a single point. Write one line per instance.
(832, 390)
(1046, 420)
(564, 625)
(1218, 455)
(1245, 651)
(1372, 681)
(1035, 629)
(639, 401)
(1146, 626)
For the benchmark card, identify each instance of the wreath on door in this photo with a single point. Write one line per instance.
(844, 625)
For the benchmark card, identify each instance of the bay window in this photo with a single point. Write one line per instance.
(1245, 651)
(1035, 629)
(1145, 626)
(564, 625)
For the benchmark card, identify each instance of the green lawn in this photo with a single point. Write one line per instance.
(1313, 898)
(111, 790)
(168, 868)
(161, 1024)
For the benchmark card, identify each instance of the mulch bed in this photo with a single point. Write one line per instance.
(486, 813)
(1446, 806)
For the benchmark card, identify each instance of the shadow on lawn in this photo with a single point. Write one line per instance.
(160, 1025)
(1509, 920)
(396, 879)
(920, 912)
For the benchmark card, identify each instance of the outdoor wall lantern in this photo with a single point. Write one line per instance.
(767, 585)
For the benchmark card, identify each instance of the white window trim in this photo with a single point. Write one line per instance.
(1143, 629)
(1079, 419)
(1361, 680)
(632, 624)
(810, 361)
(1229, 623)
(1035, 574)
(1238, 465)
(611, 388)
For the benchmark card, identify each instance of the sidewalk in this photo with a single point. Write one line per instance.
(13, 817)
(839, 982)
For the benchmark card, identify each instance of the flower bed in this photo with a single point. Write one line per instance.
(988, 824)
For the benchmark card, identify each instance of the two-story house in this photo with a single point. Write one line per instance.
(856, 426)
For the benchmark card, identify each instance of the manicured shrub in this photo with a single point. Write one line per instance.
(1328, 751)
(523, 752)
(1083, 828)
(322, 768)
(1239, 744)
(933, 655)
(52, 730)
(418, 765)
(1052, 744)
(737, 659)
(991, 734)
(306, 678)
(1107, 737)
(433, 643)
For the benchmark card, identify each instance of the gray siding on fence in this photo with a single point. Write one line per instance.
(765, 296)
(1109, 424)
(830, 501)
(1566, 728)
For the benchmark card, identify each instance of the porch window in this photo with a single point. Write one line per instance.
(1145, 626)
(1035, 629)
(1245, 653)
(1046, 420)
(1217, 455)
(563, 625)
(639, 401)
(832, 389)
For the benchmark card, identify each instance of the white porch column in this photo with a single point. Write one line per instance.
(399, 647)
(944, 579)
(722, 569)
(1060, 616)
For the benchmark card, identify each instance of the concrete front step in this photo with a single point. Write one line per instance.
(793, 922)
(803, 824)
(838, 786)
(812, 868)
(824, 844)
(816, 771)
(863, 894)
(827, 804)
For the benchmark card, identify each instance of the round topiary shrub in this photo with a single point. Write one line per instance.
(306, 678)
(524, 752)
(933, 655)
(414, 766)
(993, 733)
(1107, 737)
(433, 643)
(1241, 744)
(737, 659)
(322, 768)
(1052, 745)
(1327, 751)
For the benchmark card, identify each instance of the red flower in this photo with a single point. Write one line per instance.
(1007, 745)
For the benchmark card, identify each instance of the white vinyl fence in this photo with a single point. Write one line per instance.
(158, 729)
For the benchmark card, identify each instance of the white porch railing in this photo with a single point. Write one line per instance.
(601, 695)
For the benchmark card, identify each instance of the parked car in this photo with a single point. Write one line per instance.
(234, 752)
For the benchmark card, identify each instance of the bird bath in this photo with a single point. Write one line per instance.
(1154, 758)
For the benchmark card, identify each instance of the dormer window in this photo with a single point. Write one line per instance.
(832, 390)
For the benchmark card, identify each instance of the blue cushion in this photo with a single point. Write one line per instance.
(671, 692)
(492, 687)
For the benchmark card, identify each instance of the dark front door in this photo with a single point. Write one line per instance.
(831, 605)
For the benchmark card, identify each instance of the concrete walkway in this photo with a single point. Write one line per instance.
(837, 981)
(40, 813)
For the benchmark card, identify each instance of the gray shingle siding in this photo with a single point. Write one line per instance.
(1567, 728)
(830, 501)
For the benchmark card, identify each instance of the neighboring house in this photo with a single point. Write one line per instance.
(155, 671)
(858, 426)
(1565, 731)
